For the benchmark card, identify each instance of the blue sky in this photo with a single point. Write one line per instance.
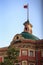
(13, 15)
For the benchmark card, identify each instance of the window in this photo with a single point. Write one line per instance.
(17, 37)
(24, 62)
(24, 52)
(26, 29)
(31, 53)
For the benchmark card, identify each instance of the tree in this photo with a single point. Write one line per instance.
(7, 62)
(13, 55)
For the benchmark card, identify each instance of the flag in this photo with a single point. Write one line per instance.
(25, 6)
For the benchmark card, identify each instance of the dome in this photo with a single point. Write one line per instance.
(27, 35)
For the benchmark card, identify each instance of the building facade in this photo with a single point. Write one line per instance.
(30, 47)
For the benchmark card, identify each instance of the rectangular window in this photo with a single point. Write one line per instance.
(24, 62)
(31, 53)
(24, 52)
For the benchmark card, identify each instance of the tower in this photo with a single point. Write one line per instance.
(28, 27)
(27, 24)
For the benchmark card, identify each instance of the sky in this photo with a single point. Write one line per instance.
(13, 15)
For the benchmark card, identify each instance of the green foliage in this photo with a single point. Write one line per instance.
(11, 58)
(7, 62)
(12, 55)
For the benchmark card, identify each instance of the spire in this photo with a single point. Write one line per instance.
(27, 25)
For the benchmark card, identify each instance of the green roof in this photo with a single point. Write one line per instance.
(27, 35)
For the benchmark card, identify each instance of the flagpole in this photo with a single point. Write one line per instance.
(27, 13)
(26, 7)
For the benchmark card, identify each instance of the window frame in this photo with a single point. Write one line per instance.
(31, 53)
(24, 52)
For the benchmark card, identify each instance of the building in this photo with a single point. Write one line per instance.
(30, 47)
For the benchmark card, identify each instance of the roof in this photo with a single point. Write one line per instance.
(27, 35)
(3, 49)
(27, 22)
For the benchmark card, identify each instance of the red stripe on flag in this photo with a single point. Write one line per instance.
(25, 6)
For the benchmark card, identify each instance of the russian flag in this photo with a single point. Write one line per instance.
(25, 6)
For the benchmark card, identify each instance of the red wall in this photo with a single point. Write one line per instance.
(39, 58)
(0, 59)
